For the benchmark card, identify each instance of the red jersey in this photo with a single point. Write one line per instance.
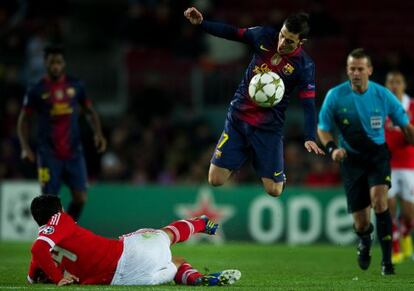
(62, 245)
(402, 153)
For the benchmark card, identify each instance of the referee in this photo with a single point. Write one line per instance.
(356, 111)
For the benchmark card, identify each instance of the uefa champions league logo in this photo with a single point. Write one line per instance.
(18, 212)
(15, 217)
(48, 230)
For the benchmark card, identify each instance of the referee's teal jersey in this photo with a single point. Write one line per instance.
(359, 118)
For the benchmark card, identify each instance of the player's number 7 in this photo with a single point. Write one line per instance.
(223, 139)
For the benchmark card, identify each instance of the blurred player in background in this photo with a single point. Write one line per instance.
(402, 173)
(253, 131)
(66, 253)
(56, 99)
(357, 109)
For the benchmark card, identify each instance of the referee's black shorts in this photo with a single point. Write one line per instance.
(360, 172)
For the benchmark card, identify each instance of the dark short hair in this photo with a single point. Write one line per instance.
(43, 207)
(53, 49)
(395, 73)
(298, 23)
(360, 53)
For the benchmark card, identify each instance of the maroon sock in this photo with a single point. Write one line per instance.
(186, 275)
(183, 229)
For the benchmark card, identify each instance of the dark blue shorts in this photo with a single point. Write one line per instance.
(52, 172)
(239, 141)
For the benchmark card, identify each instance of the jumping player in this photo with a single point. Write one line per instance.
(255, 131)
(65, 253)
(57, 99)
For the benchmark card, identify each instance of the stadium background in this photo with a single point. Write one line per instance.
(162, 88)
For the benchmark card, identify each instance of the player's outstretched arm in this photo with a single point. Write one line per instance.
(408, 131)
(215, 28)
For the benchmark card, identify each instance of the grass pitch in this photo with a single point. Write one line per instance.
(263, 267)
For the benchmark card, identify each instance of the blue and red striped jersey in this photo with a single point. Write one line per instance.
(296, 69)
(57, 106)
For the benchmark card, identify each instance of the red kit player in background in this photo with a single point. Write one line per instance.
(57, 100)
(402, 175)
(65, 253)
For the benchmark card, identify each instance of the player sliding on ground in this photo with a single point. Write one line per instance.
(65, 253)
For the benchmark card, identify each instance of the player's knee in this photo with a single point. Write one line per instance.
(178, 261)
(379, 205)
(215, 180)
(80, 201)
(79, 197)
(218, 176)
(361, 226)
(274, 189)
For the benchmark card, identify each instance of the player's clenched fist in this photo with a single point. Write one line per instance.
(338, 155)
(28, 155)
(193, 15)
(100, 143)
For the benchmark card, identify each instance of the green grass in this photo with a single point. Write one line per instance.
(272, 267)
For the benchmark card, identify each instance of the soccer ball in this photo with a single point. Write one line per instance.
(266, 89)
